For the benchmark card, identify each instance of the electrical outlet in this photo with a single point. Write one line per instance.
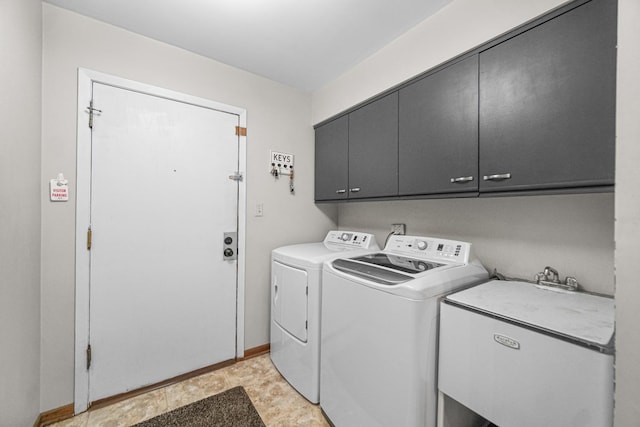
(398, 228)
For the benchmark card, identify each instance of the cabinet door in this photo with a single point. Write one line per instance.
(547, 104)
(331, 161)
(373, 149)
(438, 134)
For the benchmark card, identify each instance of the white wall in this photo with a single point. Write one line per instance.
(627, 212)
(277, 118)
(20, 100)
(518, 235)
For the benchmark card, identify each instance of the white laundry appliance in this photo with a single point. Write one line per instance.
(296, 286)
(523, 355)
(380, 326)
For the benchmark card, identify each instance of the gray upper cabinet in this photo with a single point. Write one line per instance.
(532, 111)
(438, 133)
(373, 149)
(547, 104)
(331, 162)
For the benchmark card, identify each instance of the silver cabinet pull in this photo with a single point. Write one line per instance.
(497, 177)
(354, 190)
(341, 191)
(462, 179)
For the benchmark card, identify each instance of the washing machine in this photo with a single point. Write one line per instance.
(296, 286)
(523, 355)
(380, 326)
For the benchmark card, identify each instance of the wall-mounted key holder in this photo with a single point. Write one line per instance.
(59, 189)
(280, 163)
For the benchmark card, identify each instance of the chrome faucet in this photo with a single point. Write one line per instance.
(550, 277)
(556, 276)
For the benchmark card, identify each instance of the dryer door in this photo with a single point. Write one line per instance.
(289, 299)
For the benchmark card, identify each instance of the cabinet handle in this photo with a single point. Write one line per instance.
(355, 189)
(341, 191)
(497, 177)
(462, 179)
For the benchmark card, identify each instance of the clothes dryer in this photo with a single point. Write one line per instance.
(296, 287)
(379, 330)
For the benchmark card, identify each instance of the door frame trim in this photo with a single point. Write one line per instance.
(86, 78)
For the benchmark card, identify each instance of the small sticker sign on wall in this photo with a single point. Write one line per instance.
(59, 189)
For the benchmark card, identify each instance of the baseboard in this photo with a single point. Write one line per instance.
(65, 412)
(255, 351)
(54, 415)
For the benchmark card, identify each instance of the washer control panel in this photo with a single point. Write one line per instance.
(350, 239)
(429, 248)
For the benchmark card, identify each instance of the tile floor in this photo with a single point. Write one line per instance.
(276, 401)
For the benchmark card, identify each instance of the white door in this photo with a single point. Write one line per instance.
(162, 298)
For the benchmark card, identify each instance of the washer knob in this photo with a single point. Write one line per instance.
(344, 237)
(422, 245)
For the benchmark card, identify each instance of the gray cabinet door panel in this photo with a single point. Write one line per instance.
(373, 149)
(331, 162)
(547, 103)
(438, 135)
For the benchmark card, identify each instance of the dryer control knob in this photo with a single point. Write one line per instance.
(422, 245)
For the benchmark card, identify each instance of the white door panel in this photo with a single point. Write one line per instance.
(162, 299)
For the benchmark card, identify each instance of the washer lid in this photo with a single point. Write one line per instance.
(582, 317)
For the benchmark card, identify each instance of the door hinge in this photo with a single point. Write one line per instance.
(91, 110)
(240, 131)
(306, 324)
(88, 356)
(307, 291)
(89, 239)
(237, 176)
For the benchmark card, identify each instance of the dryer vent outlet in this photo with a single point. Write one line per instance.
(398, 229)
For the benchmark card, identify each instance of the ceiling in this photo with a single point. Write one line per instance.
(301, 43)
